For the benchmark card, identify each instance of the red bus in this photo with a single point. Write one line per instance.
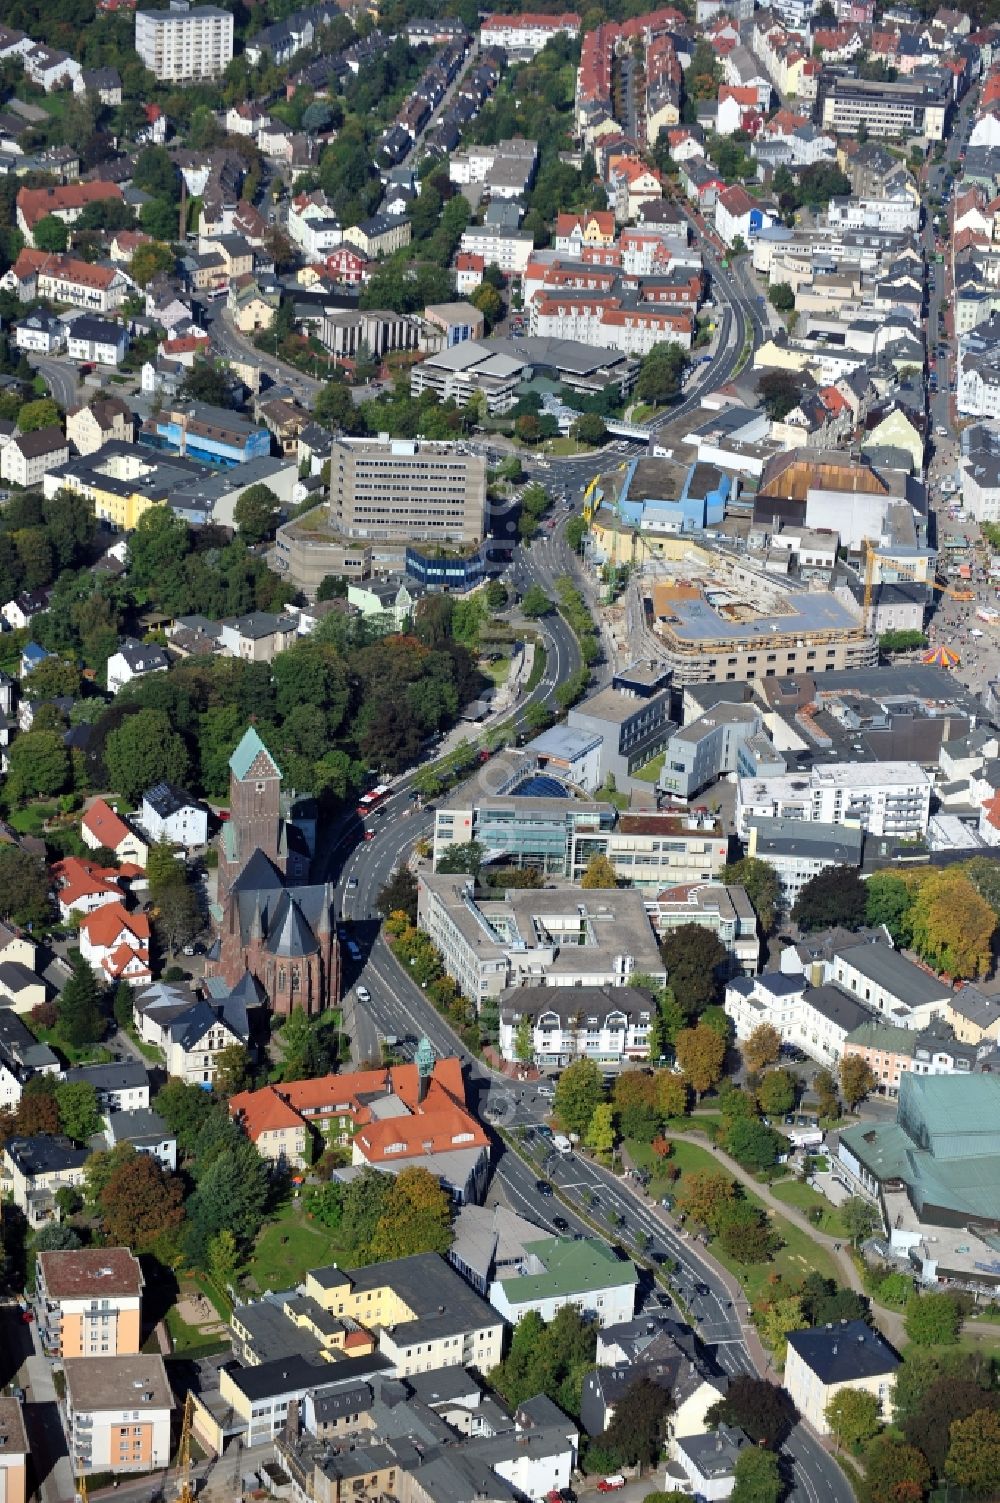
(369, 801)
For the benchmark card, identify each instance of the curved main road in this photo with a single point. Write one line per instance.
(398, 1007)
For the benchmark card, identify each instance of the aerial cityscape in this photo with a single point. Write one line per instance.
(499, 752)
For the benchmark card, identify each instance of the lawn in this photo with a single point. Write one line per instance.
(497, 671)
(794, 1193)
(798, 1256)
(289, 1246)
(188, 1341)
(652, 770)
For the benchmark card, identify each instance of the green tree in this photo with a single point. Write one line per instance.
(416, 1219)
(256, 513)
(177, 917)
(933, 1319)
(781, 297)
(79, 1116)
(535, 603)
(50, 234)
(895, 1472)
(149, 261)
(753, 1145)
(779, 392)
(579, 1092)
(35, 415)
(38, 765)
(489, 302)
(101, 1167)
(223, 1259)
(600, 1134)
(548, 1358)
(745, 1233)
(185, 1109)
(952, 925)
(760, 882)
(399, 895)
(24, 883)
(945, 1401)
(888, 901)
(693, 956)
(599, 873)
(853, 1416)
(825, 1086)
(661, 374)
(590, 429)
(860, 1218)
(637, 1432)
(763, 1410)
(302, 1057)
(145, 749)
(776, 1093)
(233, 1071)
(232, 1193)
(122, 1006)
(835, 896)
(974, 1454)
(758, 1477)
(81, 1020)
(524, 1040)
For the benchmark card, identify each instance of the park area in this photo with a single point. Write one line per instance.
(798, 1255)
(289, 1247)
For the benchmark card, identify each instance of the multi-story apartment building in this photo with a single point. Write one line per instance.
(13, 1452)
(64, 279)
(186, 43)
(911, 107)
(508, 250)
(882, 798)
(526, 34)
(118, 1414)
(88, 1303)
(798, 852)
(409, 489)
(609, 1024)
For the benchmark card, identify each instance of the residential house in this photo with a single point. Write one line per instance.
(64, 279)
(88, 1302)
(609, 1024)
(40, 333)
(96, 340)
(192, 1032)
(21, 611)
(65, 202)
(81, 886)
(134, 660)
(29, 456)
(257, 637)
(121, 1087)
(849, 1354)
(104, 420)
(115, 944)
(380, 235)
(35, 1168)
(171, 814)
(147, 1133)
(102, 826)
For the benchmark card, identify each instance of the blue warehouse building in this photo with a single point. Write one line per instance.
(658, 495)
(211, 435)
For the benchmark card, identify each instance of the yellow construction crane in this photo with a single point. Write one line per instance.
(185, 1492)
(81, 1488)
(908, 571)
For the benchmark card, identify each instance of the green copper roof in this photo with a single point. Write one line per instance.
(247, 753)
(568, 1267)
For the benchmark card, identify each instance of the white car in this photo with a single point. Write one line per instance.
(363, 994)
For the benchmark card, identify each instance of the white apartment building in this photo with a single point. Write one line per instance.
(186, 43)
(815, 1019)
(509, 250)
(526, 34)
(978, 387)
(609, 1024)
(979, 469)
(313, 225)
(892, 986)
(28, 456)
(882, 798)
(900, 214)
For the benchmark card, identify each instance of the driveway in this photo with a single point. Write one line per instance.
(49, 1455)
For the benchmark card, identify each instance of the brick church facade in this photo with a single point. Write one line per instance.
(271, 921)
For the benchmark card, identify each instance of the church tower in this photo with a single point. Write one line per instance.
(255, 810)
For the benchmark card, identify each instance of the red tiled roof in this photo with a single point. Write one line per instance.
(76, 878)
(31, 263)
(105, 924)
(102, 822)
(35, 203)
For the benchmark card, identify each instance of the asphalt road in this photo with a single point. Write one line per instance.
(60, 377)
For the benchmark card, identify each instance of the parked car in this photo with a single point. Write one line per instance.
(611, 1484)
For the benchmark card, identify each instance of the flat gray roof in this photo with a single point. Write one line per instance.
(887, 968)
